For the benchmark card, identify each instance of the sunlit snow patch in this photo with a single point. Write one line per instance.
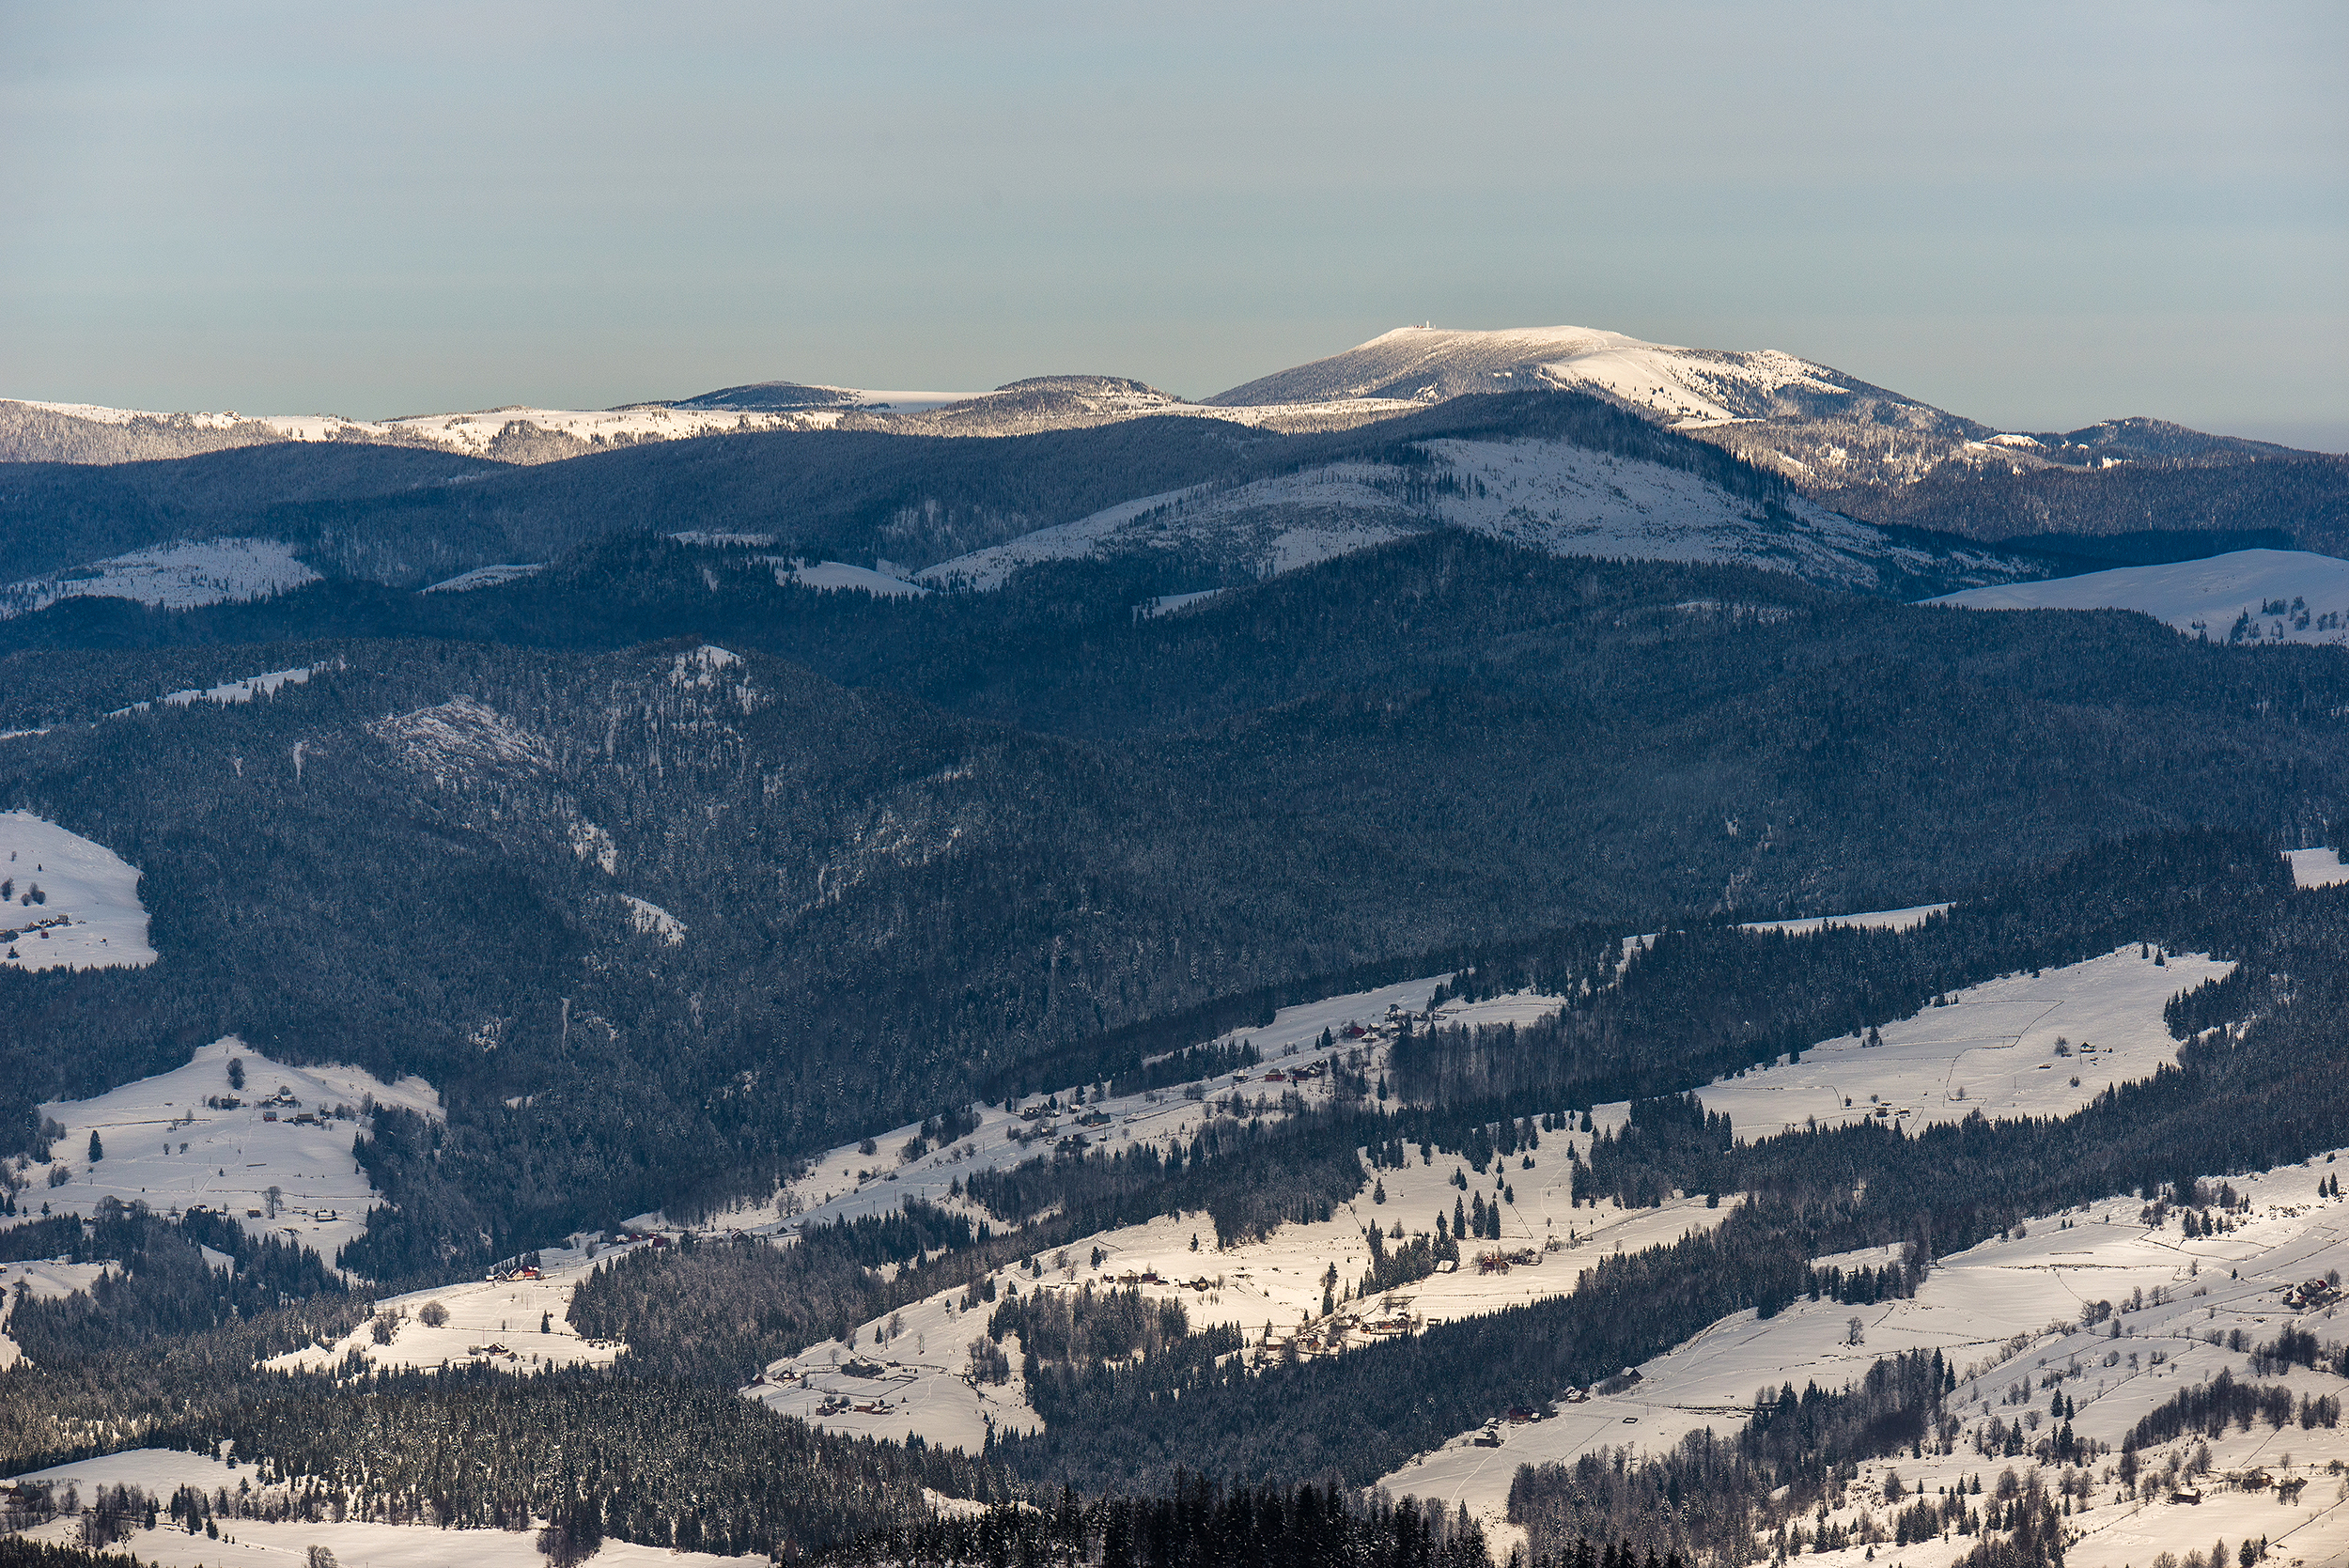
(2316, 868)
(651, 920)
(263, 685)
(1875, 920)
(2249, 596)
(700, 666)
(178, 576)
(72, 904)
(487, 577)
(834, 576)
(1166, 604)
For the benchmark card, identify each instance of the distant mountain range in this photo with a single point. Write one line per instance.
(1575, 440)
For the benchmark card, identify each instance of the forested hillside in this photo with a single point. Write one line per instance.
(1029, 819)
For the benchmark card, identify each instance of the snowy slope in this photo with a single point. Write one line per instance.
(287, 1542)
(232, 1156)
(2317, 868)
(834, 576)
(497, 432)
(266, 684)
(42, 1280)
(87, 914)
(1671, 384)
(1875, 919)
(490, 1323)
(486, 577)
(1994, 1050)
(2255, 597)
(1546, 495)
(178, 576)
(2008, 1313)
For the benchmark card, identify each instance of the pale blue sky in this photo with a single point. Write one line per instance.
(2039, 215)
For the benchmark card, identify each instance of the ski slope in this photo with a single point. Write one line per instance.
(1993, 1051)
(85, 913)
(2253, 597)
(2009, 1311)
(165, 1147)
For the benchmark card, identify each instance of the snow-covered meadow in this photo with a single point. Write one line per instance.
(267, 1544)
(166, 1145)
(70, 902)
(178, 576)
(2022, 1044)
(836, 576)
(517, 1323)
(2258, 597)
(2008, 1314)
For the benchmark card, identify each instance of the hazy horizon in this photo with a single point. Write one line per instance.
(2037, 219)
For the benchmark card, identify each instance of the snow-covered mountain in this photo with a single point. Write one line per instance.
(1676, 385)
(81, 432)
(1547, 494)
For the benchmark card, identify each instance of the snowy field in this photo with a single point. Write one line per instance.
(1274, 1284)
(266, 684)
(1271, 1290)
(2018, 1046)
(180, 576)
(259, 1543)
(844, 1183)
(85, 913)
(43, 1279)
(494, 1323)
(486, 577)
(2256, 596)
(167, 1147)
(2007, 1313)
(2317, 868)
(1877, 920)
(834, 576)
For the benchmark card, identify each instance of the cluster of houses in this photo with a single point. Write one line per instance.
(1394, 1319)
(1498, 1262)
(2309, 1295)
